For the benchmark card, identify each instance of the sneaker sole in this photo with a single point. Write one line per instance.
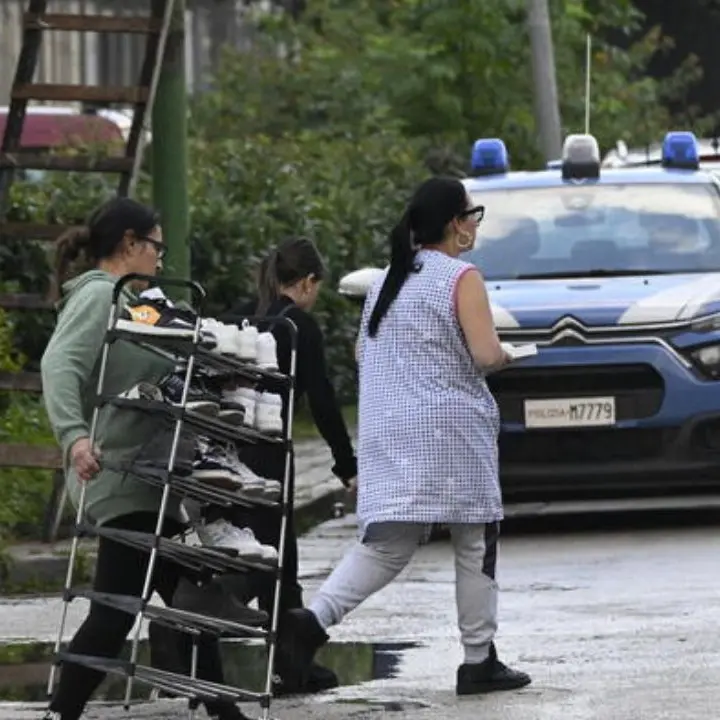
(145, 329)
(241, 554)
(485, 688)
(202, 407)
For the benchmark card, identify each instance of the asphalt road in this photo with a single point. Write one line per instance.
(613, 623)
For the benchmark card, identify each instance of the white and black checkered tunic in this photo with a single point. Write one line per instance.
(428, 424)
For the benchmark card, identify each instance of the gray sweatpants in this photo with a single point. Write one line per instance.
(388, 547)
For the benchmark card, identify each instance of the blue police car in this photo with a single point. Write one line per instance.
(615, 276)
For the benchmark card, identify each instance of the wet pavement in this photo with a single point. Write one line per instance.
(613, 624)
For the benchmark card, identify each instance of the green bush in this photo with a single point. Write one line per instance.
(23, 492)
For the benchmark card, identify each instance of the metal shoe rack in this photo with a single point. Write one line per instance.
(189, 355)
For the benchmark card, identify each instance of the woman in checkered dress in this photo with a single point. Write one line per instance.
(428, 431)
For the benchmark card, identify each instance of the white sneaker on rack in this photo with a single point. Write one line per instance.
(266, 351)
(212, 467)
(246, 342)
(253, 484)
(246, 398)
(268, 413)
(143, 391)
(222, 535)
(224, 336)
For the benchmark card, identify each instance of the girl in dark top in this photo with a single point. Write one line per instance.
(288, 284)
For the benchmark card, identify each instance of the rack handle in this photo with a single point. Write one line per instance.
(161, 281)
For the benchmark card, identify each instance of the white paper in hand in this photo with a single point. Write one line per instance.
(517, 352)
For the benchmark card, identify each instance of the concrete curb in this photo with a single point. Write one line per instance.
(39, 568)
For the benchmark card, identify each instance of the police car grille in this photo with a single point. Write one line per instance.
(638, 389)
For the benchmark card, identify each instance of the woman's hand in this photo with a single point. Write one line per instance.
(84, 459)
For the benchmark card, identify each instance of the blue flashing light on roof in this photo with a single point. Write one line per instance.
(680, 150)
(489, 157)
(580, 158)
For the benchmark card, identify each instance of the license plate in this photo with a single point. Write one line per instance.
(570, 412)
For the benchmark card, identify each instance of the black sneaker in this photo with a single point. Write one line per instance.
(302, 636)
(199, 399)
(319, 679)
(489, 676)
(153, 314)
(212, 600)
(211, 466)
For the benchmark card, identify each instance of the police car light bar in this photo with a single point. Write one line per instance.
(580, 158)
(489, 157)
(680, 151)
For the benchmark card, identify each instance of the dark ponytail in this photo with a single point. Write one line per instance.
(291, 261)
(268, 287)
(71, 254)
(435, 203)
(82, 248)
(402, 263)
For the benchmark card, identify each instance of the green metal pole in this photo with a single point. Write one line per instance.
(169, 149)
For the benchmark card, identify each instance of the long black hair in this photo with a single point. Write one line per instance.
(81, 248)
(291, 261)
(435, 203)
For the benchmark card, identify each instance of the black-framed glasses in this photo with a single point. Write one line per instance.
(160, 248)
(477, 213)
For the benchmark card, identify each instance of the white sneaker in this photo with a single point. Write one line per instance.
(245, 397)
(251, 483)
(246, 342)
(224, 336)
(221, 534)
(266, 351)
(268, 414)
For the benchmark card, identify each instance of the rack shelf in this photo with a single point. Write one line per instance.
(204, 424)
(175, 683)
(179, 349)
(172, 617)
(194, 558)
(187, 486)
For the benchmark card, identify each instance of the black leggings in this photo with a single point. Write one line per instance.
(121, 570)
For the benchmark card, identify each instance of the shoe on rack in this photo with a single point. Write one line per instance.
(50, 715)
(199, 399)
(222, 535)
(224, 336)
(302, 636)
(247, 342)
(153, 314)
(268, 414)
(245, 398)
(143, 391)
(211, 600)
(252, 484)
(266, 351)
(489, 676)
(211, 466)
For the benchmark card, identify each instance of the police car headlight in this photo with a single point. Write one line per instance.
(708, 358)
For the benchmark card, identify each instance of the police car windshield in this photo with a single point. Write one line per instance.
(608, 229)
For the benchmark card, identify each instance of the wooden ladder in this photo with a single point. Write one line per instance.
(37, 22)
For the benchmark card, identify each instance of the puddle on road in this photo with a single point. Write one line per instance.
(24, 667)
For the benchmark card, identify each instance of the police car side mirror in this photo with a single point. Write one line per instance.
(355, 285)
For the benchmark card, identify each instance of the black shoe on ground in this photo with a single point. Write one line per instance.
(212, 600)
(489, 676)
(199, 399)
(319, 679)
(302, 636)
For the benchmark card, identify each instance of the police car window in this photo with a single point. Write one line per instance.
(605, 228)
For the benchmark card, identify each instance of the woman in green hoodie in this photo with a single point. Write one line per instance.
(122, 237)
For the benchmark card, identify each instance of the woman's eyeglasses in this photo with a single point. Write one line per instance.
(160, 248)
(477, 213)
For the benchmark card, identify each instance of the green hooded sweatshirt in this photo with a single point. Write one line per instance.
(70, 369)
